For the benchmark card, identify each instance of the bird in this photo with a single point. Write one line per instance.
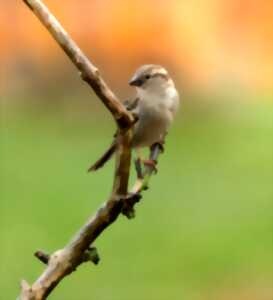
(155, 105)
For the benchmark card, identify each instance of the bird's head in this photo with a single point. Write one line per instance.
(152, 79)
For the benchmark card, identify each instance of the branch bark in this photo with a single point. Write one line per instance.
(64, 261)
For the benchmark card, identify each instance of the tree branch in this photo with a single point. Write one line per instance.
(88, 71)
(64, 261)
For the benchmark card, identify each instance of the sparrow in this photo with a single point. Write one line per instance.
(155, 106)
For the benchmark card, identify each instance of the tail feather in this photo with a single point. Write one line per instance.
(104, 158)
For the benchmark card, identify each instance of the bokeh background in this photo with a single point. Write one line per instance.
(204, 230)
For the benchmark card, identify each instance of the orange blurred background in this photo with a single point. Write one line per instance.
(204, 232)
(207, 44)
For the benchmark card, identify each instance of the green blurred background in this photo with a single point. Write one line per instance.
(204, 230)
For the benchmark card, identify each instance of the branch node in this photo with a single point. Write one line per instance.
(84, 76)
(42, 256)
(129, 203)
(96, 73)
(91, 254)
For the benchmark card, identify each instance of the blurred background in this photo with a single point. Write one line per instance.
(204, 229)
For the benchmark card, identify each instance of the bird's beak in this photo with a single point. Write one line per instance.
(135, 81)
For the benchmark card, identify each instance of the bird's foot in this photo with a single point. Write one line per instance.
(151, 164)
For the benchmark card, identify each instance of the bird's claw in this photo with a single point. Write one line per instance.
(151, 164)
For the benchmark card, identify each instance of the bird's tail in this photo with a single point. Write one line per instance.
(104, 158)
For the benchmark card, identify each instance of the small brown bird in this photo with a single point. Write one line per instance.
(155, 105)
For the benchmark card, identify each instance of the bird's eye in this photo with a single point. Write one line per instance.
(148, 76)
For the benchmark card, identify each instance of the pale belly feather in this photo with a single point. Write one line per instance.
(155, 116)
(151, 127)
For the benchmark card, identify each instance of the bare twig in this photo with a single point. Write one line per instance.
(64, 261)
(42, 256)
(88, 71)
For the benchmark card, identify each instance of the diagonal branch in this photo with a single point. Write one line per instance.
(64, 261)
(88, 71)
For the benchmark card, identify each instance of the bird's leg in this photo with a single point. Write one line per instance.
(138, 168)
(147, 162)
(152, 161)
(160, 144)
(138, 164)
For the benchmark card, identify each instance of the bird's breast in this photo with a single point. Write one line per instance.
(152, 125)
(155, 112)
